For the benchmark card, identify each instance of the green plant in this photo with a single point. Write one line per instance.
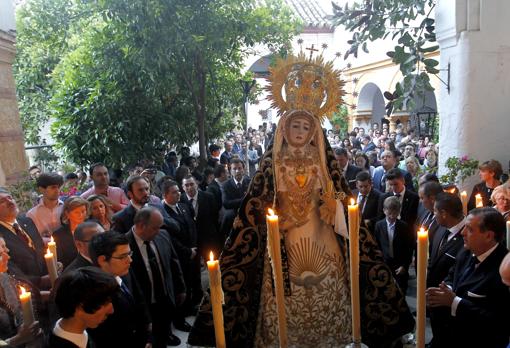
(24, 192)
(340, 120)
(459, 169)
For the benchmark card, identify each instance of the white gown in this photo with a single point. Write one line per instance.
(318, 310)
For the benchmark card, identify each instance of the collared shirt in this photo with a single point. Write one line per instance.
(114, 194)
(47, 220)
(172, 206)
(78, 339)
(344, 169)
(86, 258)
(481, 258)
(136, 206)
(238, 182)
(456, 229)
(391, 235)
(143, 250)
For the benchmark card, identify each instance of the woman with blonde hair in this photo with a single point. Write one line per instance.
(501, 198)
(101, 210)
(75, 211)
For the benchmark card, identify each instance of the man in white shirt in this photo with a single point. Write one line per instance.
(83, 298)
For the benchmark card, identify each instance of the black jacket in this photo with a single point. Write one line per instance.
(25, 262)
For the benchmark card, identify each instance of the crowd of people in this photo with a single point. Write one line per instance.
(131, 247)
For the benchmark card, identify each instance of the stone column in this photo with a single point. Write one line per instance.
(362, 118)
(474, 116)
(12, 148)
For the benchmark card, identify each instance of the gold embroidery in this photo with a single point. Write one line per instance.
(309, 267)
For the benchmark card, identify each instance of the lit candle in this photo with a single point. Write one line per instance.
(52, 246)
(51, 265)
(353, 214)
(273, 246)
(479, 201)
(508, 235)
(26, 306)
(216, 300)
(421, 277)
(464, 199)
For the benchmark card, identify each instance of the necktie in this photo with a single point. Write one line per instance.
(126, 291)
(391, 235)
(473, 261)
(22, 234)
(362, 204)
(239, 186)
(157, 282)
(444, 240)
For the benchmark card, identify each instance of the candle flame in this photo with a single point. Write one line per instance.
(51, 240)
(353, 201)
(23, 290)
(478, 196)
(48, 252)
(463, 193)
(452, 190)
(270, 212)
(211, 256)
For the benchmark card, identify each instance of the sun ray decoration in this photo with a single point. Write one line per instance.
(305, 83)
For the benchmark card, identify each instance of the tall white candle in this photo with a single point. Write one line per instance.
(508, 235)
(52, 266)
(273, 245)
(421, 278)
(353, 214)
(216, 300)
(464, 199)
(26, 306)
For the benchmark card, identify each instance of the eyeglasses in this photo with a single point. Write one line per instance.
(123, 256)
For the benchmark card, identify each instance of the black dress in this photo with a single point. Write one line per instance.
(66, 250)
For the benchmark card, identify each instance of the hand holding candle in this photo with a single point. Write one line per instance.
(273, 245)
(51, 264)
(353, 214)
(25, 299)
(216, 300)
(421, 277)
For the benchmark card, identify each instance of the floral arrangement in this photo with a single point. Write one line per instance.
(459, 169)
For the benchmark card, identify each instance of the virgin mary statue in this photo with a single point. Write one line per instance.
(299, 177)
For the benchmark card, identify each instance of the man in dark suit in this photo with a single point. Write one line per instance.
(368, 200)
(445, 246)
(426, 219)
(474, 294)
(396, 240)
(82, 236)
(349, 171)
(156, 268)
(408, 199)
(226, 156)
(205, 214)
(388, 162)
(185, 240)
(129, 325)
(234, 190)
(26, 247)
(220, 176)
(138, 191)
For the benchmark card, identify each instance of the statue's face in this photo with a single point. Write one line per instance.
(299, 131)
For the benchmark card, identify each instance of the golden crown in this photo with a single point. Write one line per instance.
(309, 83)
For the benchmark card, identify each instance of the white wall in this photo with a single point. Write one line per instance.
(7, 15)
(475, 117)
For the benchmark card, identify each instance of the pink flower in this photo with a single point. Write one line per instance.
(464, 158)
